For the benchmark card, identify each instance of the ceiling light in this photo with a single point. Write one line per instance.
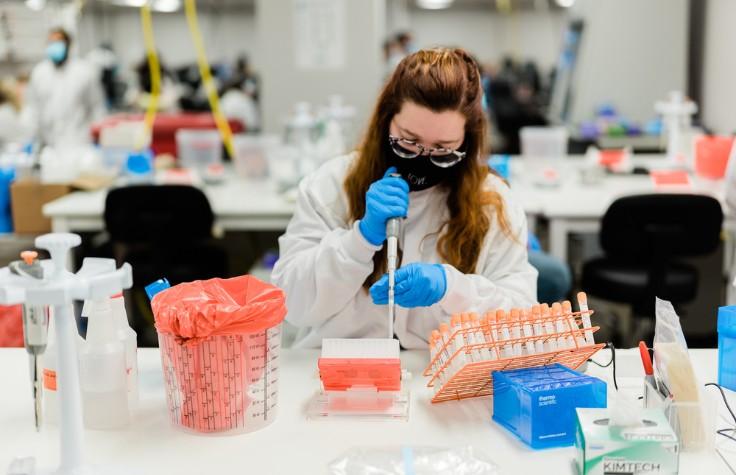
(166, 6)
(36, 5)
(129, 3)
(565, 3)
(434, 4)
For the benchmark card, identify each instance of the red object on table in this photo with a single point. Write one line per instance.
(340, 374)
(711, 156)
(611, 157)
(646, 360)
(11, 326)
(165, 127)
(670, 178)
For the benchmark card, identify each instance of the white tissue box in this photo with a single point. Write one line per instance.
(649, 448)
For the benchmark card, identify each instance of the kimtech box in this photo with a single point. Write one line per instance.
(649, 448)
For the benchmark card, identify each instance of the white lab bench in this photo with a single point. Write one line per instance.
(256, 205)
(238, 205)
(293, 443)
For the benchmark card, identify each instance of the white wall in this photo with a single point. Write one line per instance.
(490, 35)
(633, 53)
(719, 68)
(284, 84)
(226, 34)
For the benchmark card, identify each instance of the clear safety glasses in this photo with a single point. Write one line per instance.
(442, 157)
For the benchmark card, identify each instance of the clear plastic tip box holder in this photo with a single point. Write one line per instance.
(538, 404)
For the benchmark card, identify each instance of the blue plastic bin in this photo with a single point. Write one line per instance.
(727, 347)
(538, 404)
(7, 175)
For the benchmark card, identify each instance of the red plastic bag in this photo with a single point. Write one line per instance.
(11, 326)
(219, 341)
(204, 308)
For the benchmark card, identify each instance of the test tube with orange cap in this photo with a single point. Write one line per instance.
(549, 327)
(435, 348)
(480, 338)
(448, 345)
(458, 344)
(584, 312)
(562, 337)
(469, 336)
(538, 327)
(505, 336)
(515, 319)
(567, 313)
(526, 316)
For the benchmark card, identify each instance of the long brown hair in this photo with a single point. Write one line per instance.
(440, 80)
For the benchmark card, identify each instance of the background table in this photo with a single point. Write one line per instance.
(238, 205)
(294, 444)
(258, 205)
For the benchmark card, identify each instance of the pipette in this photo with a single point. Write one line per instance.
(393, 228)
(35, 326)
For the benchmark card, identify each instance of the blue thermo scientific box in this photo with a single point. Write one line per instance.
(727, 347)
(538, 404)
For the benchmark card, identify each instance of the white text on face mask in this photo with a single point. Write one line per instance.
(417, 180)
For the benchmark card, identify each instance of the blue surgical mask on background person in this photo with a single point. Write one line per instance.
(56, 51)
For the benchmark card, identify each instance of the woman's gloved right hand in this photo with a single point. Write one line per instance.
(386, 198)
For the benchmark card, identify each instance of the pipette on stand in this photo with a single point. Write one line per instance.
(35, 326)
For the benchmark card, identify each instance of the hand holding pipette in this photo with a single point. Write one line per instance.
(386, 202)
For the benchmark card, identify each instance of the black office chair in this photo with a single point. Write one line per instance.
(162, 231)
(643, 237)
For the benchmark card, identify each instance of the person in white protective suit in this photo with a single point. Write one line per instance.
(64, 96)
(463, 237)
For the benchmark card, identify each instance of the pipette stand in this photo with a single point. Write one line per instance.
(361, 379)
(58, 289)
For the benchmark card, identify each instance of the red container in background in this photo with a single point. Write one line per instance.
(711, 156)
(165, 127)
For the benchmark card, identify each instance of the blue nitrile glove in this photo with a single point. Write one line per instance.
(386, 198)
(417, 285)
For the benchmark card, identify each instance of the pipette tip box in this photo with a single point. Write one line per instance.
(538, 404)
(360, 378)
(366, 362)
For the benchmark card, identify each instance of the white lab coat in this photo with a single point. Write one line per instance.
(238, 105)
(61, 103)
(324, 261)
(12, 129)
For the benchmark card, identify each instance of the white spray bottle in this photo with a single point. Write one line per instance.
(130, 341)
(102, 371)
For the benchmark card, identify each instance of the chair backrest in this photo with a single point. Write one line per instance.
(155, 213)
(659, 226)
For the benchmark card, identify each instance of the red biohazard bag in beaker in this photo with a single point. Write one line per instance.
(220, 342)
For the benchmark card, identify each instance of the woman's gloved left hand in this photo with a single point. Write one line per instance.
(417, 285)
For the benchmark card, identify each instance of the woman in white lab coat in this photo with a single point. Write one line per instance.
(463, 239)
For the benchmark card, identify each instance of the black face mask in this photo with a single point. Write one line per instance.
(419, 172)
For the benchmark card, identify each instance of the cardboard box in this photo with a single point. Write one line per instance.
(27, 197)
(651, 448)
